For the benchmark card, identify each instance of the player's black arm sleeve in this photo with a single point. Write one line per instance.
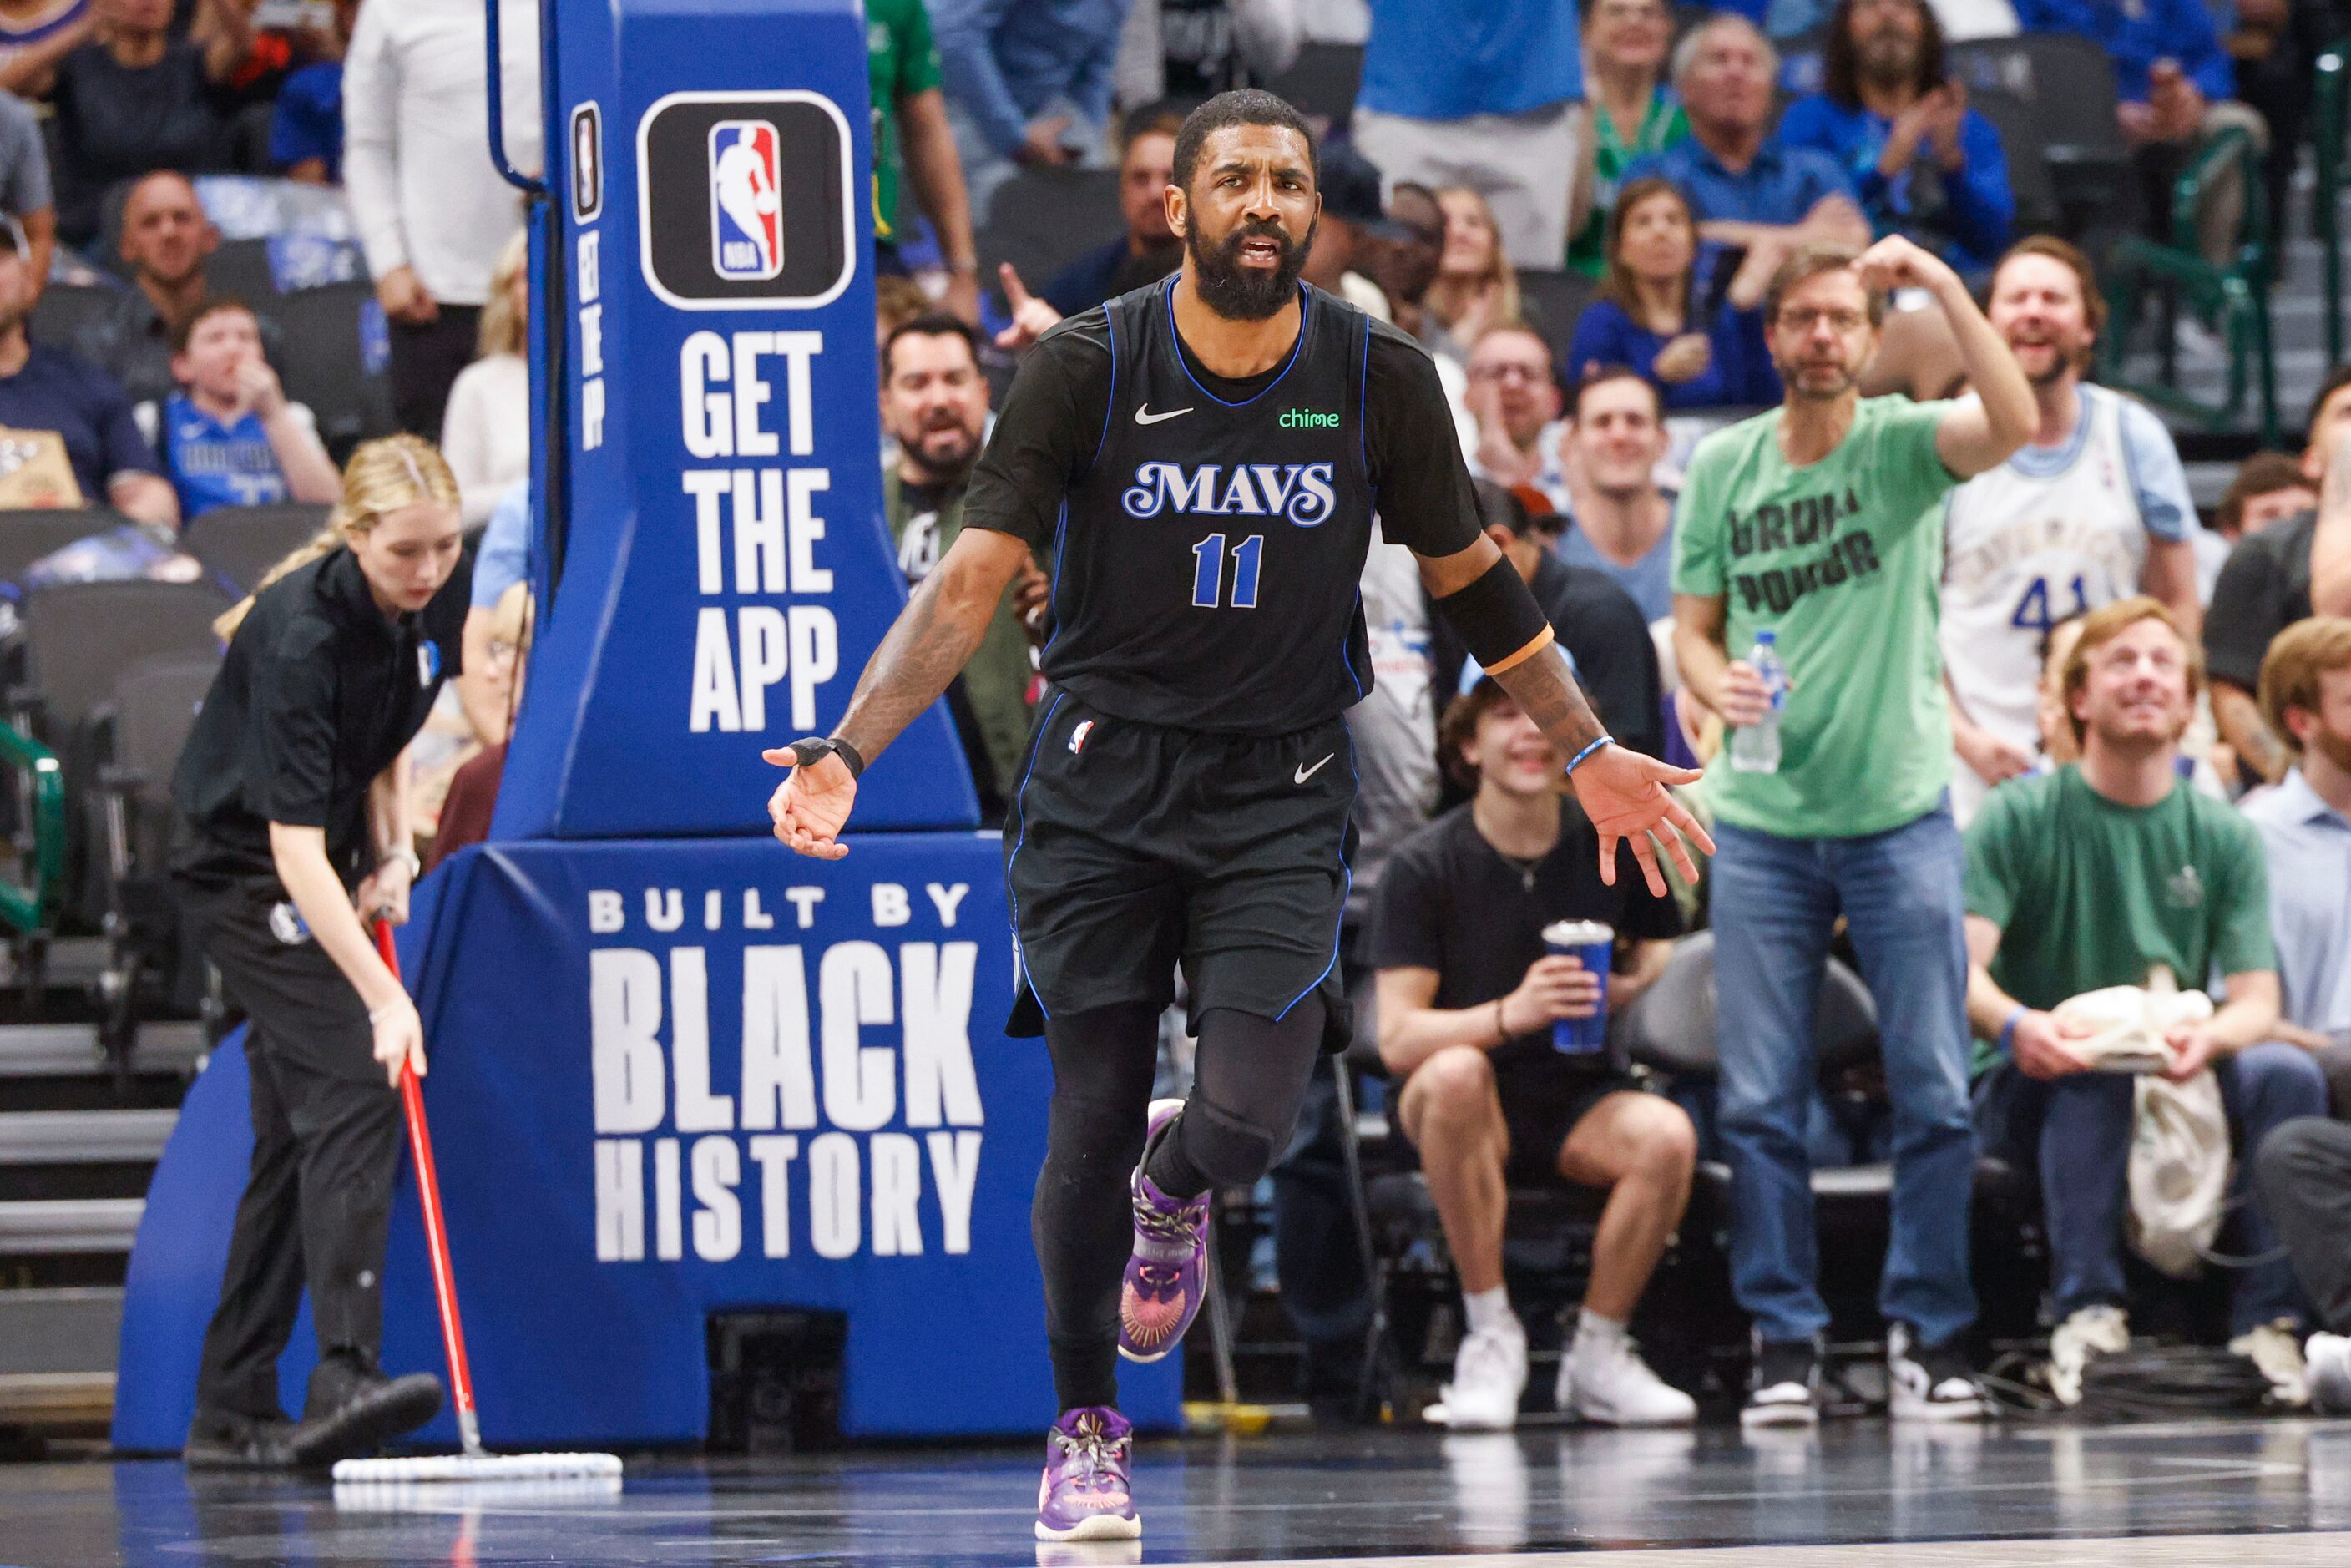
(1427, 504)
(1014, 504)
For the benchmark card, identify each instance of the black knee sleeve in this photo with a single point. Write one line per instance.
(1229, 1150)
(1251, 1078)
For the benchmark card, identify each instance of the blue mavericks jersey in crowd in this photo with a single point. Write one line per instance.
(216, 465)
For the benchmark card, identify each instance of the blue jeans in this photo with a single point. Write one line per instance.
(2076, 1132)
(1775, 901)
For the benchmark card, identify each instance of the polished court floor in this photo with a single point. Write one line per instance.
(2230, 1494)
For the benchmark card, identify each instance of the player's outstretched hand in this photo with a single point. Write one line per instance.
(1624, 795)
(811, 803)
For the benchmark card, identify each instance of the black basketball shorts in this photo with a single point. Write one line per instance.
(1129, 847)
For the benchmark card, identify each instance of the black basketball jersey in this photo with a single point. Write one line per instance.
(1205, 562)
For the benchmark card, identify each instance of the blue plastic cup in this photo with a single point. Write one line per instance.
(1594, 945)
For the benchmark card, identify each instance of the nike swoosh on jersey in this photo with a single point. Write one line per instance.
(1304, 772)
(1145, 416)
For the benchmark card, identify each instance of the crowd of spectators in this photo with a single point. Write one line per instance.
(1587, 215)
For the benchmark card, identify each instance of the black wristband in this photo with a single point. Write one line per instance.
(1498, 619)
(812, 750)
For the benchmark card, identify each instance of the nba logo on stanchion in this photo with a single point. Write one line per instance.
(746, 227)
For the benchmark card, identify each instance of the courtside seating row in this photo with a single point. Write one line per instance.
(1687, 1321)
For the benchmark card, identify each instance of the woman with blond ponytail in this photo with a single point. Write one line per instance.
(292, 828)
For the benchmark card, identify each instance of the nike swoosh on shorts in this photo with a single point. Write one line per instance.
(1304, 772)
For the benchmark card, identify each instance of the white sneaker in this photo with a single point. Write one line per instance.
(1490, 1372)
(2327, 1358)
(2277, 1351)
(1602, 1378)
(1930, 1385)
(2090, 1331)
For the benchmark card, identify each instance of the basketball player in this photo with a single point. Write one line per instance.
(1202, 458)
(2094, 509)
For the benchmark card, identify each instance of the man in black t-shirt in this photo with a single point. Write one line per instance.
(2268, 581)
(1201, 458)
(1466, 999)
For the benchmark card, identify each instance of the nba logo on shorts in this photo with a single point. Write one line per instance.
(746, 227)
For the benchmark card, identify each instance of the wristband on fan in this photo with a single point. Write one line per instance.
(2008, 1030)
(1579, 759)
(810, 750)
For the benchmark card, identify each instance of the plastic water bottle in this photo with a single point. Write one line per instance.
(1755, 747)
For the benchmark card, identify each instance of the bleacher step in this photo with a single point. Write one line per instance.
(84, 1137)
(56, 1398)
(49, 1333)
(73, 1225)
(71, 1049)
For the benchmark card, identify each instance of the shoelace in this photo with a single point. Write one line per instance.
(1486, 1347)
(1163, 1225)
(1095, 1451)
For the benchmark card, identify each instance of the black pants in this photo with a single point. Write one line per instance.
(1251, 1075)
(425, 364)
(2304, 1171)
(325, 1147)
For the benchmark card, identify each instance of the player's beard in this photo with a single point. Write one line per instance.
(1240, 293)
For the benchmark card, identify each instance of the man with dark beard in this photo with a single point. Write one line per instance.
(1202, 458)
(935, 406)
(1927, 166)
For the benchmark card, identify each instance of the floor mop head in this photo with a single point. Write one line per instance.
(476, 1468)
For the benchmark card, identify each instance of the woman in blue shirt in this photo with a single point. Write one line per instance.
(1702, 353)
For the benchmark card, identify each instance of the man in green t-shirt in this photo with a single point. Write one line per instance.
(2090, 877)
(1820, 522)
(903, 64)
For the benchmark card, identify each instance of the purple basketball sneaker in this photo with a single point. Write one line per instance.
(1167, 1276)
(1085, 1494)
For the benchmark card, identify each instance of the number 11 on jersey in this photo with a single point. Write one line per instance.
(1209, 570)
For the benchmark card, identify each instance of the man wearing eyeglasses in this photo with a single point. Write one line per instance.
(1514, 397)
(1820, 522)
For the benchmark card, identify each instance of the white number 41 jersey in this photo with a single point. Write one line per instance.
(2052, 532)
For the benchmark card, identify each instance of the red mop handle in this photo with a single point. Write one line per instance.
(436, 1234)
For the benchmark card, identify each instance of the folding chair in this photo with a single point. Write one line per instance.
(2067, 84)
(1041, 220)
(78, 641)
(1321, 83)
(336, 352)
(238, 545)
(28, 535)
(139, 733)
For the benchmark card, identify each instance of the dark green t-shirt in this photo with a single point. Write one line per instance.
(902, 60)
(2088, 893)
